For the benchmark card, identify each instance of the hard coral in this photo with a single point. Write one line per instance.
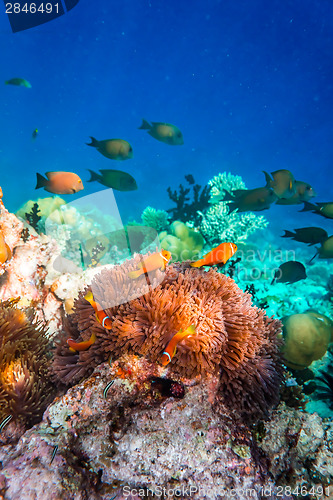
(233, 338)
(25, 388)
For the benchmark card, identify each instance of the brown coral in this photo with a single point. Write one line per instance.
(25, 388)
(232, 337)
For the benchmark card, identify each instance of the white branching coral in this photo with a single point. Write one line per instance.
(218, 224)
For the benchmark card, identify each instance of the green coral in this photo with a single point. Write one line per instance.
(157, 219)
(217, 224)
(182, 241)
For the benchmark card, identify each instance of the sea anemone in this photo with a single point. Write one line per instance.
(233, 338)
(25, 388)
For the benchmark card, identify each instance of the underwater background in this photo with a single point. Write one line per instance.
(248, 83)
(248, 90)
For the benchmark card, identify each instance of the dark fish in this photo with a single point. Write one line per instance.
(114, 149)
(55, 449)
(5, 421)
(19, 82)
(34, 133)
(106, 388)
(189, 178)
(324, 209)
(164, 132)
(283, 183)
(254, 200)
(289, 272)
(309, 235)
(304, 192)
(325, 251)
(115, 179)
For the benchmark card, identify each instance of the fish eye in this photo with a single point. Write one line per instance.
(79, 181)
(130, 149)
(179, 134)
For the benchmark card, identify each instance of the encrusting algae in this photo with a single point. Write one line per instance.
(232, 338)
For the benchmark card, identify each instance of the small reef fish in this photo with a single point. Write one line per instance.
(304, 192)
(164, 132)
(170, 349)
(60, 182)
(106, 389)
(114, 149)
(5, 421)
(5, 251)
(19, 82)
(155, 261)
(324, 209)
(81, 346)
(325, 251)
(289, 272)
(100, 314)
(55, 449)
(34, 134)
(250, 200)
(218, 256)
(309, 235)
(115, 179)
(283, 183)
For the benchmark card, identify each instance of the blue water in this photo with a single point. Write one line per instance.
(248, 83)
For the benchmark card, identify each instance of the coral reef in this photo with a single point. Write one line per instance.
(222, 183)
(184, 211)
(182, 241)
(232, 337)
(157, 219)
(133, 442)
(25, 387)
(306, 338)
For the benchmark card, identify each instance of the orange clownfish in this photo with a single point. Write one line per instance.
(102, 318)
(155, 261)
(81, 346)
(5, 251)
(219, 255)
(170, 349)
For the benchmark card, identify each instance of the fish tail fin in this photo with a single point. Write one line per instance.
(89, 297)
(134, 274)
(94, 176)
(268, 179)
(227, 196)
(315, 255)
(272, 282)
(145, 125)
(197, 263)
(191, 330)
(308, 206)
(232, 206)
(287, 234)
(93, 143)
(6, 82)
(92, 339)
(41, 181)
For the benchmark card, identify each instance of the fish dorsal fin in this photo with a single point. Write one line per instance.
(49, 175)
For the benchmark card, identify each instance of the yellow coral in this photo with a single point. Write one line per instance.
(307, 337)
(183, 242)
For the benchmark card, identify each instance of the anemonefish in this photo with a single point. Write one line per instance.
(219, 255)
(81, 346)
(5, 251)
(155, 261)
(102, 318)
(170, 349)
